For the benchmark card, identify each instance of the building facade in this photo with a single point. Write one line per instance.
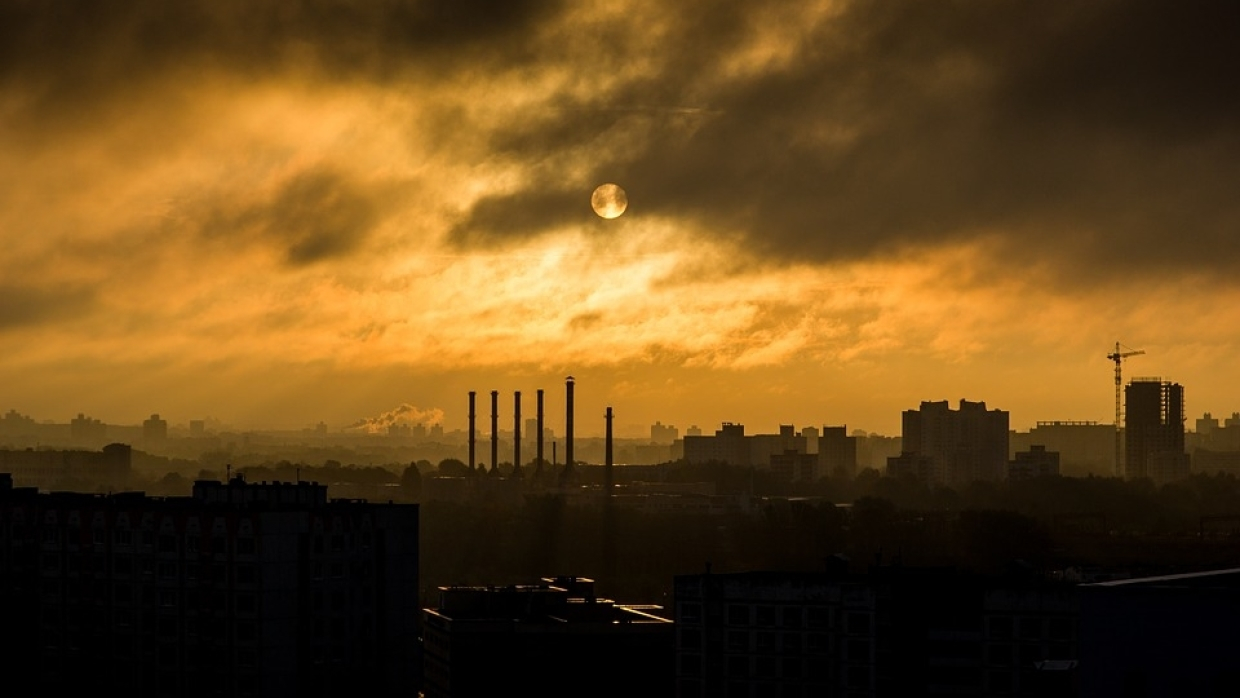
(1154, 430)
(240, 589)
(965, 445)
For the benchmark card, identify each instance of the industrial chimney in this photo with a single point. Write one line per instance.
(494, 431)
(516, 434)
(568, 427)
(539, 439)
(607, 461)
(472, 432)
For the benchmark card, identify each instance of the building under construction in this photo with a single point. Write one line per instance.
(1154, 430)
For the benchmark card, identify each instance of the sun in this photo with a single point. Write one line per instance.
(609, 200)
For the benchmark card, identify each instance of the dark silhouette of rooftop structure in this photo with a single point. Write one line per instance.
(554, 638)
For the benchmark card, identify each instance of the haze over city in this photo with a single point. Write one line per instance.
(281, 215)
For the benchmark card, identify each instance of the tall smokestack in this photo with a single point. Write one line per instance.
(494, 431)
(516, 434)
(539, 439)
(568, 426)
(472, 432)
(607, 457)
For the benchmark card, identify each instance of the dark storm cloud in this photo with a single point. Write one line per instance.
(316, 215)
(66, 52)
(1101, 134)
(23, 306)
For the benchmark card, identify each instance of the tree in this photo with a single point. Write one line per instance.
(452, 467)
(411, 482)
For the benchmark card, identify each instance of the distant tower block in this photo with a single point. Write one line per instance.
(494, 431)
(472, 431)
(516, 434)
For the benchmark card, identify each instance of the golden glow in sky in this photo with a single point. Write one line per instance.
(846, 208)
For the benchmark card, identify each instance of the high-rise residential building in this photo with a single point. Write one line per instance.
(728, 445)
(155, 428)
(661, 433)
(1154, 430)
(837, 453)
(965, 445)
(265, 589)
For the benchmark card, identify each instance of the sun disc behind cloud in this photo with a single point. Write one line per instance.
(609, 200)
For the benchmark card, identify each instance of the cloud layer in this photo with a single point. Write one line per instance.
(302, 191)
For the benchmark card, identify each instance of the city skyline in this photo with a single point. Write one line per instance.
(835, 210)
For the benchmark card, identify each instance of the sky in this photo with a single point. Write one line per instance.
(275, 214)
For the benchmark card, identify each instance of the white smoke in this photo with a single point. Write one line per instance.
(404, 414)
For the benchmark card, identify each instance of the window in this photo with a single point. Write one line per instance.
(765, 616)
(245, 603)
(765, 641)
(738, 640)
(245, 546)
(690, 638)
(691, 664)
(689, 612)
(792, 617)
(738, 614)
(738, 666)
(858, 623)
(245, 574)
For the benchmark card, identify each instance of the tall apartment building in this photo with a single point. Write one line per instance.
(728, 445)
(964, 445)
(837, 453)
(240, 589)
(1154, 430)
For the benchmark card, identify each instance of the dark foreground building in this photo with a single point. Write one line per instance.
(240, 589)
(553, 639)
(892, 631)
(1170, 635)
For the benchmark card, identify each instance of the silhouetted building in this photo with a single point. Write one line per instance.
(794, 466)
(763, 447)
(154, 428)
(1154, 430)
(913, 465)
(837, 453)
(1036, 462)
(728, 445)
(85, 430)
(661, 433)
(239, 589)
(892, 631)
(965, 445)
(1085, 448)
(552, 639)
(1161, 636)
(59, 469)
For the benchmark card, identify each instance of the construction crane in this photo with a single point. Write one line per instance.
(1121, 352)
